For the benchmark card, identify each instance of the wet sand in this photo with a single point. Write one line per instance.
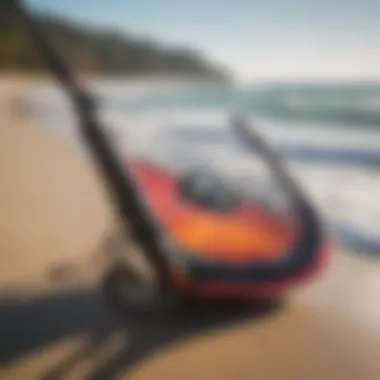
(54, 212)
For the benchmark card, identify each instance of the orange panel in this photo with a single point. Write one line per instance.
(249, 232)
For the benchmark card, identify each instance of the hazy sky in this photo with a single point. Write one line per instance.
(256, 39)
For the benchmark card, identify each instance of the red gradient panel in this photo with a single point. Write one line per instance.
(248, 232)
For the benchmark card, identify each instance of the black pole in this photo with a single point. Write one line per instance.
(134, 215)
(310, 234)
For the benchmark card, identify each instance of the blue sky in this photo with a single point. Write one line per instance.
(256, 39)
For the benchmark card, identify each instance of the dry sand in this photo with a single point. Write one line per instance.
(51, 207)
(53, 211)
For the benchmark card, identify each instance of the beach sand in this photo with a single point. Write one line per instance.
(55, 212)
(51, 208)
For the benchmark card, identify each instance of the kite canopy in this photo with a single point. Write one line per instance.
(233, 229)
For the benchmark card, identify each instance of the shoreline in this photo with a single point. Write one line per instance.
(356, 234)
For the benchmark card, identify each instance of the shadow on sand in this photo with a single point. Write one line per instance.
(28, 325)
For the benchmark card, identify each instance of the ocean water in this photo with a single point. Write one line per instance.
(328, 134)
